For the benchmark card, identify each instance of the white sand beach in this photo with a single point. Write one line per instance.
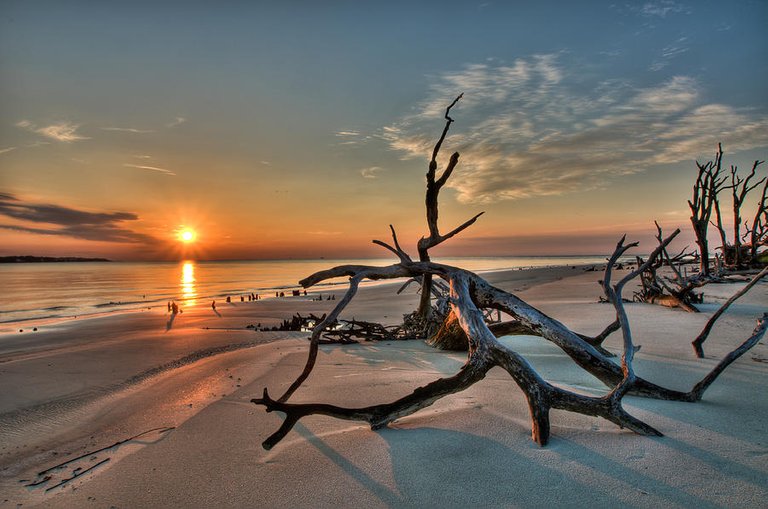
(75, 387)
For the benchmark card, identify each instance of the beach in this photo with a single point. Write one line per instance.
(186, 381)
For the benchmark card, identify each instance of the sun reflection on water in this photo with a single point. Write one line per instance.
(188, 289)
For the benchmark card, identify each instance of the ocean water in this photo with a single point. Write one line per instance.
(38, 291)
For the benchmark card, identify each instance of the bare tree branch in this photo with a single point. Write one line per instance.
(699, 341)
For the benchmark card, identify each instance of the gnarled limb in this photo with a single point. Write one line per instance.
(434, 184)
(597, 341)
(709, 183)
(699, 341)
(354, 283)
(484, 353)
(377, 416)
(698, 390)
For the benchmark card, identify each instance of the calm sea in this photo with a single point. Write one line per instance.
(36, 291)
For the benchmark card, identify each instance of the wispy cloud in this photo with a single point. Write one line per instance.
(351, 137)
(662, 8)
(51, 219)
(176, 121)
(371, 172)
(149, 168)
(62, 131)
(523, 130)
(6, 150)
(669, 52)
(677, 48)
(128, 130)
(323, 233)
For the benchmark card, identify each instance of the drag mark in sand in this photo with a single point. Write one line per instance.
(86, 463)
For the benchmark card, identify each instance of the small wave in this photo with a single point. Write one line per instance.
(57, 308)
(31, 318)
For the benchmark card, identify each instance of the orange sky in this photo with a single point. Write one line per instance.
(286, 131)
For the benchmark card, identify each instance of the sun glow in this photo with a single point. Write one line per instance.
(187, 236)
(188, 289)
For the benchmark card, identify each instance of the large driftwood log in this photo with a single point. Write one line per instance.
(470, 296)
(469, 293)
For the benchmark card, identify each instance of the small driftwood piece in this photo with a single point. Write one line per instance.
(673, 292)
(348, 330)
(46, 476)
(699, 341)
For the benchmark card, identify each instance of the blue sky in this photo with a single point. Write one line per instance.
(580, 120)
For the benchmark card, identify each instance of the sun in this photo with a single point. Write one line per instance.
(187, 236)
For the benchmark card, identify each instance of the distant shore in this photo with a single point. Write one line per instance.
(48, 259)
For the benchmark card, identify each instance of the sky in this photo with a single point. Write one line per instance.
(298, 129)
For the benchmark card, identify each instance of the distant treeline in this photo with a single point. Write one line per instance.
(48, 259)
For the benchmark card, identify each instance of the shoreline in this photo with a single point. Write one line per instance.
(11, 327)
(187, 376)
(194, 282)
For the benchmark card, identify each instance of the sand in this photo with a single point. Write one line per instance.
(75, 387)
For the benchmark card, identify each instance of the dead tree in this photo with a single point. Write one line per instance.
(435, 238)
(708, 191)
(740, 188)
(758, 233)
(708, 184)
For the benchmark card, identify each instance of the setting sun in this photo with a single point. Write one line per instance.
(187, 235)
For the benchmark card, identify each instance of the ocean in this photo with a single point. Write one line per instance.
(50, 291)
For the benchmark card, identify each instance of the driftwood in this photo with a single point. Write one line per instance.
(707, 191)
(469, 292)
(699, 341)
(348, 330)
(470, 297)
(673, 292)
(435, 238)
(46, 475)
(709, 183)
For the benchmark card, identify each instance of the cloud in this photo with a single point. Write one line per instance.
(63, 131)
(351, 137)
(661, 9)
(324, 233)
(150, 168)
(69, 222)
(371, 172)
(127, 130)
(6, 150)
(669, 52)
(175, 122)
(531, 129)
